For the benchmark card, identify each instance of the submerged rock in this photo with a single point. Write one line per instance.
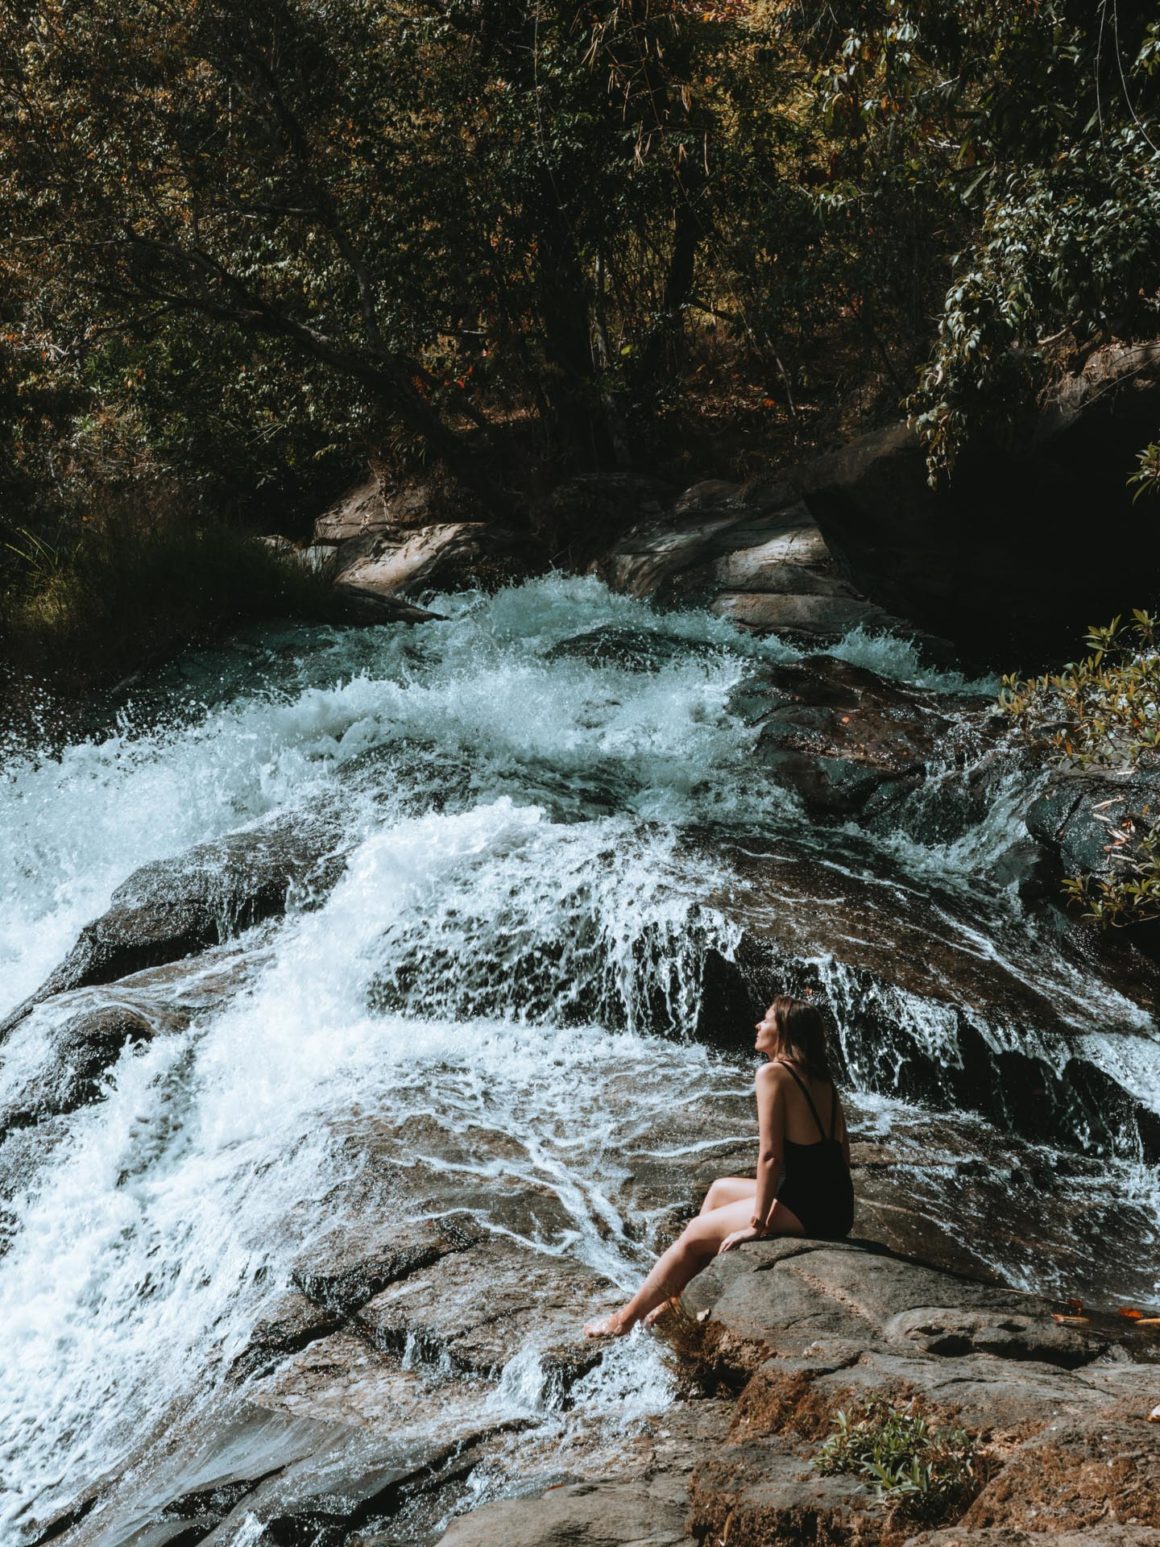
(175, 907)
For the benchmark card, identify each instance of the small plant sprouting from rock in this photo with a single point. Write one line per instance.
(922, 1473)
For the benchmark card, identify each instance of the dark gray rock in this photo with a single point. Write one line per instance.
(291, 1324)
(480, 1308)
(839, 735)
(351, 1267)
(173, 908)
(1080, 816)
(897, 963)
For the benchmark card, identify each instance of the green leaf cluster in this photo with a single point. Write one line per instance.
(1104, 712)
(923, 1473)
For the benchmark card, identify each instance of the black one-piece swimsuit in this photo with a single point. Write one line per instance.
(816, 1182)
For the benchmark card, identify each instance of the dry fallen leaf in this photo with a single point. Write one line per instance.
(1154, 1415)
(1149, 1321)
(1075, 1307)
(1071, 1321)
(1131, 1313)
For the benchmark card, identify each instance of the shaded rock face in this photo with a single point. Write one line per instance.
(583, 517)
(1078, 815)
(173, 908)
(750, 553)
(448, 556)
(382, 545)
(1001, 561)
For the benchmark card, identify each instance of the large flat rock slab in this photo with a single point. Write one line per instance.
(780, 1297)
(643, 1514)
(480, 1308)
(1060, 1422)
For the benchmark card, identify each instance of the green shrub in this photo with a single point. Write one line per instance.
(1104, 712)
(922, 1473)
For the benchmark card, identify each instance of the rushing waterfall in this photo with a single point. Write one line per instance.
(498, 1016)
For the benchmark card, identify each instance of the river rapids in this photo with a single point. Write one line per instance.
(556, 830)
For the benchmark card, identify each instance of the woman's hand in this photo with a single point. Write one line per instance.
(750, 1233)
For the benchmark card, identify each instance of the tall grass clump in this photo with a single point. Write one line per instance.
(127, 594)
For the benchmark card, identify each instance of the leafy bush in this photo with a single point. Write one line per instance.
(923, 1473)
(1104, 712)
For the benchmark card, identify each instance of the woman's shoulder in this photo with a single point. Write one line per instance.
(772, 1075)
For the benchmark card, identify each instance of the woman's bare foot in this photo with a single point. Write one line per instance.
(615, 1326)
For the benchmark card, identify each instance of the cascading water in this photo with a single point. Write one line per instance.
(489, 1019)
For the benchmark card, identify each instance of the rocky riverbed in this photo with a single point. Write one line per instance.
(378, 1001)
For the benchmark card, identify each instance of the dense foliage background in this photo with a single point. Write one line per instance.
(245, 248)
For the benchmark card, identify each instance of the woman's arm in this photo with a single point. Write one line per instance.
(770, 1128)
(770, 1131)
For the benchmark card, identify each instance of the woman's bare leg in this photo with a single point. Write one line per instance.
(693, 1250)
(725, 1190)
(729, 1189)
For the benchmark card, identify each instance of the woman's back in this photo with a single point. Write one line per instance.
(816, 1184)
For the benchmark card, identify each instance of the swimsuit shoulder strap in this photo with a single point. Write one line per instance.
(806, 1093)
(834, 1113)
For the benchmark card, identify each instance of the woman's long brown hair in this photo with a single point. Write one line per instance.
(801, 1034)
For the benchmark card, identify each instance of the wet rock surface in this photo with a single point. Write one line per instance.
(1080, 816)
(841, 737)
(82, 1048)
(988, 1038)
(174, 908)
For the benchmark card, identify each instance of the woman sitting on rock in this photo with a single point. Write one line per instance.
(803, 1184)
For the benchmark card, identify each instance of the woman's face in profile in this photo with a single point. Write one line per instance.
(766, 1028)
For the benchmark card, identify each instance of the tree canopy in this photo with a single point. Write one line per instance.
(298, 227)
